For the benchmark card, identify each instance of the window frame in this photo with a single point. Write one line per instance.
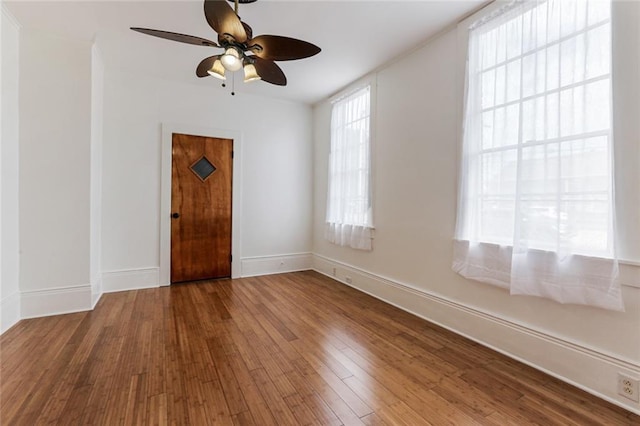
(521, 141)
(625, 107)
(371, 82)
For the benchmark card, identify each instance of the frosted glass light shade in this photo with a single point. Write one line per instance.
(231, 59)
(250, 73)
(217, 70)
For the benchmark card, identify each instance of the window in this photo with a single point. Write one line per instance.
(349, 212)
(537, 167)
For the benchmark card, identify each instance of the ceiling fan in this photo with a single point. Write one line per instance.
(255, 55)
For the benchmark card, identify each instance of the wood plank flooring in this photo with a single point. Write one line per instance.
(291, 349)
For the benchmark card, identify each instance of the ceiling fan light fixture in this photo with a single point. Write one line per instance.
(231, 59)
(241, 48)
(217, 70)
(250, 73)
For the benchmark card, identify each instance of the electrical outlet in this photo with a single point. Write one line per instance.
(628, 387)
(348, 279)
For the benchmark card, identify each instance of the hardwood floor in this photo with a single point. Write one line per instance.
(292, 349)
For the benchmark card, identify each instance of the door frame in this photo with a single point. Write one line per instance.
(168, 129)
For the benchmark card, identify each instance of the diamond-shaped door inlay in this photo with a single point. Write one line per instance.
(203, 168)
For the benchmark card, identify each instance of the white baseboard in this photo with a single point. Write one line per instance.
(130, 279)
(96, 290)
(267, 265)
(95, 298)
(63, 300)
(583, 367)
(629, 273)
(10, 308)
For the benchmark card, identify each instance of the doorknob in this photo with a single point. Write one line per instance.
(175, 215)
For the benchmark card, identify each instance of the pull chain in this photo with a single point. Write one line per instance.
(233, 83)
(233, 76)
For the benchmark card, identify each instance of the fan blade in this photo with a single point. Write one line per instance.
(278, 48)
(205, 65)
(224, 20)
(183, 38)
(269, 71)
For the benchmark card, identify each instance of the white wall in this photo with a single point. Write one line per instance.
(89, 173)
(276, 168)
(9, 290)
(54, 178)
(417, 138)
(97, 128)
(1, 139)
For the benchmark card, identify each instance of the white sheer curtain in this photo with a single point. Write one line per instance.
(535, 211)
(349, 216)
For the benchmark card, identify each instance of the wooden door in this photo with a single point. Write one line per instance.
(201, 174)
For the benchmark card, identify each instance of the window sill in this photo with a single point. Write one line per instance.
(629, 269)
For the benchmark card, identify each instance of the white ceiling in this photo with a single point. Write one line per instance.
(356, 36)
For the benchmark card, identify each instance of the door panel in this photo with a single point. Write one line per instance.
(201, 174)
